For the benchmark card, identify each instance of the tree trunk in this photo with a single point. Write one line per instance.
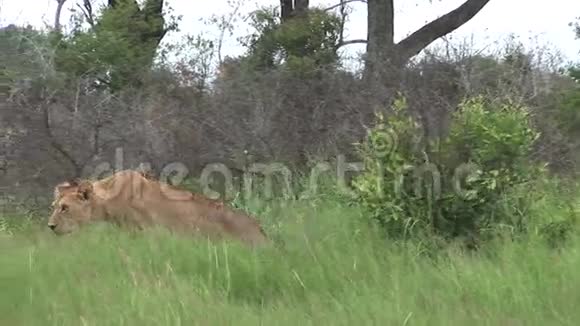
(153, 16)
(385, 59)
(287, 7)
(301, 6)
(291, 8)
(146, 29)
(57, 25)
(380, 39)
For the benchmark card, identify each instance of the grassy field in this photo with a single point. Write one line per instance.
(330, 271)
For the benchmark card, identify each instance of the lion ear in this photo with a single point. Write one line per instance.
(85, 190)
(61, 187)
(73, 182)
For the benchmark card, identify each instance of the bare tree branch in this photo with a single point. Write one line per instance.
(349, 42)
(342, 3)
(343, 15)
(87, 10)
(440, 27)
(52, 140)
(57, 25)
(226, 25)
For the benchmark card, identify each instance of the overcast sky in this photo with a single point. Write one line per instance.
(537, 21)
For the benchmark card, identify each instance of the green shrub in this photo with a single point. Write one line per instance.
(497, 141)
(568, 114)
(478, 171)
(300, 45)
(388, 156)
(119, 50)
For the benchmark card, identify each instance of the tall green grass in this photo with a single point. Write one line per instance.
(327, 269)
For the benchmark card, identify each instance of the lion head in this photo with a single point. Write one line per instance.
(72, 206)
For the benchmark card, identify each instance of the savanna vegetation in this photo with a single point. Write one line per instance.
(462, 207)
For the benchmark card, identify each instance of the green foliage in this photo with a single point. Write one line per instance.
(497, 137)
(26, 53)
(497, 140)
(388, 156)
(555, 208)
(4, 227)
(488, 147)
(27, 63)
(568, 113)
(568, 107)
(301, 44)
(575, 73)
(118, 50)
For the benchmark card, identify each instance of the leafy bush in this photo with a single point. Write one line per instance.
(300, 45)
(26, 55)
(497, 141)
(388, 156)
(119, 49)
(488, 147)
(569, 108)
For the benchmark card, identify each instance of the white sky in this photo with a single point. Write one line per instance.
(536, 21)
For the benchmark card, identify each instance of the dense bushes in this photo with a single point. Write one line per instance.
(301, 45)
(477, 177)
(569, 111)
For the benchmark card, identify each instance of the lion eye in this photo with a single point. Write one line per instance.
(63, 208)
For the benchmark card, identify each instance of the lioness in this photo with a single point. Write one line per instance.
(133, 199)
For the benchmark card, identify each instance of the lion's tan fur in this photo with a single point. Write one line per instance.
(131, 198)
